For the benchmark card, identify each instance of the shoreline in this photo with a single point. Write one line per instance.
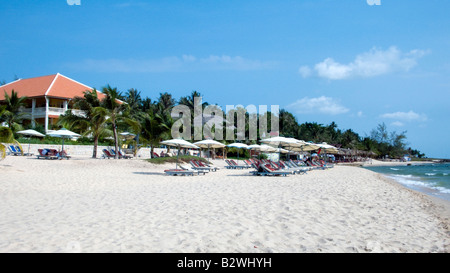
(101, 205)
(438, 206)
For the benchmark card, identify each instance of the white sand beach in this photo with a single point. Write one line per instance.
(87, 205)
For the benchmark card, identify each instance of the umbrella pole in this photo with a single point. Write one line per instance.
(29, 146)
(238, 155)
(178, 156)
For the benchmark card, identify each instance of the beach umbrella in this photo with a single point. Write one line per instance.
(127, 135)
(278, 141)
(63, 133)
(209, 143)
(238, 146)
(179, 143)
(281, 150)
(302, 146)
(30, 133)
(267, 148)
(327, 148)
(254, 147)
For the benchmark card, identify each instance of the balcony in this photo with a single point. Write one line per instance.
(39, 112)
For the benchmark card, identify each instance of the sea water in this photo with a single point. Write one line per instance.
(432, 179)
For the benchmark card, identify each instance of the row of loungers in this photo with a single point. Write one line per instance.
(262, 167)
(284, 168)
(197, 167)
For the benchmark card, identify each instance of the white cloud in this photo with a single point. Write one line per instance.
(320, 105)
(332, 70)
(397, 124)
(305, 71)
(169, 64)
(405, 116)
(360, 114)
(369, 64)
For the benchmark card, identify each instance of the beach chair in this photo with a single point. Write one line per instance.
(237, 166)
(19, 150)
(269, 170)
(256, 167)
(289, 166)
(183, 171)
(47, 154)
(13, 151)
(315, 165)
(194, 170)
(107, 154)
(201, 164)
(229, 165)
(175, 172)
(122, 155)
(196, 166)
(63, 154)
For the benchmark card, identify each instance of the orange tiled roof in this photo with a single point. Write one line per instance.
(56, 86)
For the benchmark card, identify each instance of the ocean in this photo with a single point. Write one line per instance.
(431, 179)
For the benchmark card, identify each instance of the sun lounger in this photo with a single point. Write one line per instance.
(122, 155)
(196, 166)
(269, 170)
(314, 166)
(47, 154)
(201, 164)
(13, 151)
(63, 154)
(234, 165)
(175, 172)
(194, 170)
(107, 154)
(183, 171)
(289, 167)
(229, 165)
(19, 150)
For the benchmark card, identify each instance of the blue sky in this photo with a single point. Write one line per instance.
(323, 60)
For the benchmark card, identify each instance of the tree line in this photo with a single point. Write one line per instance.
(151, 121)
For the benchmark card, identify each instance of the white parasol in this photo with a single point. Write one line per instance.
(179, 143)
(30, 133)
(63, 133)
(209, 143)
(238, 146)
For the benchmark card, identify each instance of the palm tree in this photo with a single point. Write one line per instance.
(92, 122)
(115, 111)
(154, 129)
(6, 135)
(166, 101)
(12, 114)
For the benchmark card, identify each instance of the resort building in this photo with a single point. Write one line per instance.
(48, 97)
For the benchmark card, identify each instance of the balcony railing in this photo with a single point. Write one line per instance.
(40, 111)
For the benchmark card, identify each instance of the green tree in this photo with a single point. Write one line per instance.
(115, 111)
(92, 122)
(12, 114)
(154, 130)
(6, 135)
(288, 124)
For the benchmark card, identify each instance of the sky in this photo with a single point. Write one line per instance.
(350, 62)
